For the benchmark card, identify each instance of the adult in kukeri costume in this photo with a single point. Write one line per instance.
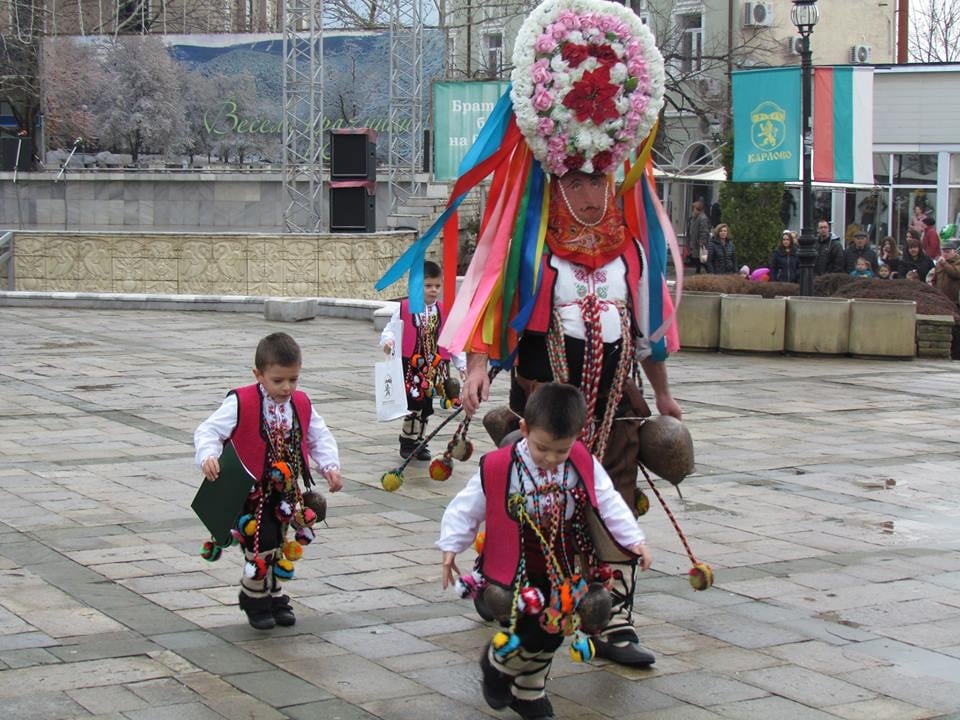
(568, 279)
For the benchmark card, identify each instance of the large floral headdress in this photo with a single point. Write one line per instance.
(587, 84)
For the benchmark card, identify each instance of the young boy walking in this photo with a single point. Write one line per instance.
(275, 431)
(425, 365)
(540, 564)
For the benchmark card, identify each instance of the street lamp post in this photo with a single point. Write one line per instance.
(804, 16)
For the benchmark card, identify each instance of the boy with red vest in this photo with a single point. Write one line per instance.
(274, 430)
(425, 364)
(539, 570)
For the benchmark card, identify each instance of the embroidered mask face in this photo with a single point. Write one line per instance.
(279, 381)
(547, 451)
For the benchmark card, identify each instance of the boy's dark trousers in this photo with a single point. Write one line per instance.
(265, 595)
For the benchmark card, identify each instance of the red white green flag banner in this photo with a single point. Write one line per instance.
(843, 125)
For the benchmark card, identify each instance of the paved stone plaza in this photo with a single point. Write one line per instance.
(825, 500)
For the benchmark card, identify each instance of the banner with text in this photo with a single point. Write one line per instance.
(459, 111)
(766, 125)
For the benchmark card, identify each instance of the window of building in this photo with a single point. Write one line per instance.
(691, 42)
(493, 53)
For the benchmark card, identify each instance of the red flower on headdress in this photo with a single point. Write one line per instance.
(602, 161)
(604, 54)
(591, 97)
(574, 162)
(573, 54)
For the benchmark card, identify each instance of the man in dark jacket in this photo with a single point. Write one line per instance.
(860, 248)
(829, 252)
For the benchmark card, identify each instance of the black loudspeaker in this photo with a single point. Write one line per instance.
(8, 153)
(353, 154)
(352, 209)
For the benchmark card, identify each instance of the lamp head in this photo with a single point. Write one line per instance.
(804, 15)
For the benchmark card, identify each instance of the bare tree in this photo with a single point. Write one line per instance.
(934, 31)
(19, 59)
(141, 108)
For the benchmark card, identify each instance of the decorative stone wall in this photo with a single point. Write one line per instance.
(330, 265)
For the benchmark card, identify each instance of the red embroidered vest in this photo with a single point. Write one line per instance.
(501, 550)
(248, 436)
(409, 342)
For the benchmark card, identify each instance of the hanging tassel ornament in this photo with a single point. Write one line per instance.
(211, 551)
(255, 569)
(701, 574)
(582, 648)
(469, 586)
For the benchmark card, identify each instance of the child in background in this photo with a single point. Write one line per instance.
(425, 365)
(862, 270)
(274, 428)
(883, 272)
(535, 496)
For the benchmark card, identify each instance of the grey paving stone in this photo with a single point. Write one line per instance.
(429, 705)
(277, 688)
(335, 708)
(110, 645)
(163, 691)
(105, 700)
(705, 688)
(769, 707)
(805, 686)
(191, 711)
(42, 706)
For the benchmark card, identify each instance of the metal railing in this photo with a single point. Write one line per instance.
(6, 256)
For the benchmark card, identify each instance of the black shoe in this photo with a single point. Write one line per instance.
(539, 709)
(495, 685)
(406, 452)
(261, 619)
(624, 649)
(258, 611)
(424, 454)
(282, 612)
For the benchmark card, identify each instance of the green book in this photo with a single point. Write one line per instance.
(218, 504)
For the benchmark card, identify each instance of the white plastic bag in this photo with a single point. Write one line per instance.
(389, 388)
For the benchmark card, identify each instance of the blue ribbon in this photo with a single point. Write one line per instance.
(487, 143)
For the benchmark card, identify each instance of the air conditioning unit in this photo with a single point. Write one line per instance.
(795, 45)
(757, 14)
(860, 54)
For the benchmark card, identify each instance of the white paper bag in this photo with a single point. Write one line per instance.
(388, 388)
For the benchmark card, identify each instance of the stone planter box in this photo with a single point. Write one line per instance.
(885, 328)
(698, 320)
(818, 325)
(751, 323)
(934, 336)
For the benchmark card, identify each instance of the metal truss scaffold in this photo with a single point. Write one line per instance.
(303, 115)
(405, 145)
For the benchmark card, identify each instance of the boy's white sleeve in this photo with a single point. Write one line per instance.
(210, 435)
(463, 516)
(614, 511)
(320, 443)
(459, 360)
(387, 334)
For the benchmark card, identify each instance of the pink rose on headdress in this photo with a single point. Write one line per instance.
(545, 44)
(570, 19)
(545, 126)
(540, 73)
(575, 54)
(542, 100)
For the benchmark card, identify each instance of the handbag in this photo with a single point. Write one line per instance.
(704, 253)
(388, 382)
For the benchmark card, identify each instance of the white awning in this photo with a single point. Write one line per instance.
(716, 175)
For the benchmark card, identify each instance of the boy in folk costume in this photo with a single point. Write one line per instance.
(425, 364)
(274, 430)
(568, 280)
(540, 560)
